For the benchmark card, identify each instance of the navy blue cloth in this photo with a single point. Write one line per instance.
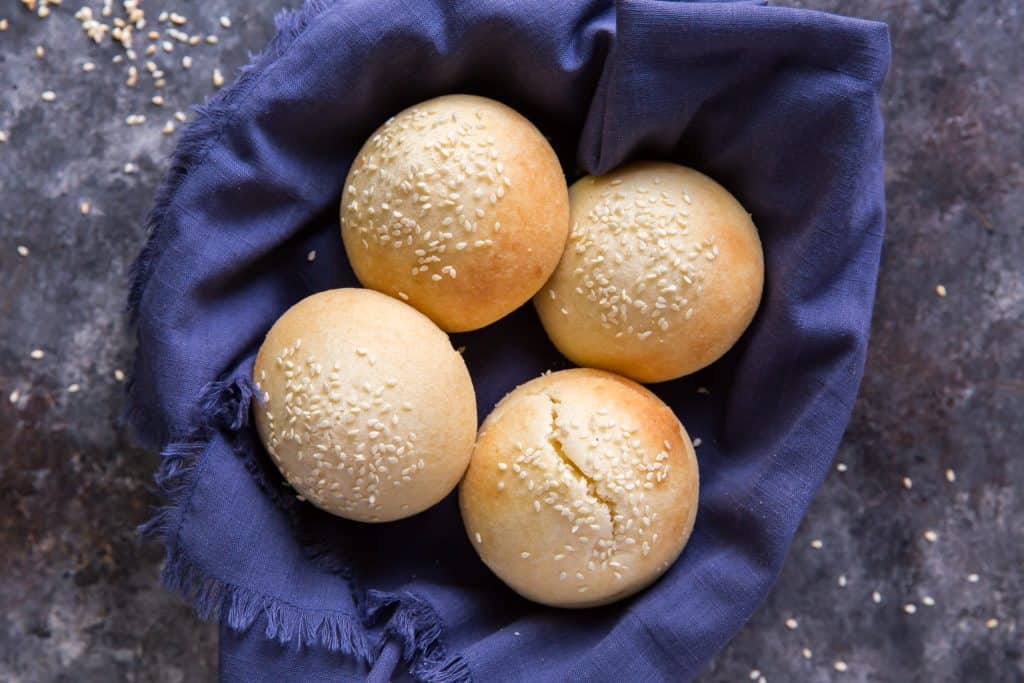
(779, 105)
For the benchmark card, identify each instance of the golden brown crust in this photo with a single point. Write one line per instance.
(660, 276)
(582, 489)
(351, 415)
(458, 206)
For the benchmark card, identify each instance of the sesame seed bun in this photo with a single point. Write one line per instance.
(457, 206)
(582, 489)
(351, 413)
(660, 276)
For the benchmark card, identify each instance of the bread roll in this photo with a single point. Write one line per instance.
(366, 409)
(457, 206)
(661, 274)
(582, 489)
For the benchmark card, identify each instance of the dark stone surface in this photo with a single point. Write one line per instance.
(944, 386)
(81, 597)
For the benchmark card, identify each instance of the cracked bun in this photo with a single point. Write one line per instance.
(660, 276)
(350, 410)
(458, 206)
(582, 489)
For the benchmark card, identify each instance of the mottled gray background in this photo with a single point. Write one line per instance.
(944, 387)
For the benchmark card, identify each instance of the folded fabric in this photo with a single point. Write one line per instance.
(779, 105)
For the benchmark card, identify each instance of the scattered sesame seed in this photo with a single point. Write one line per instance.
(177, 19)
(311, 256)
(940, 290)
(792, 624)
(74, 388)
(158, 100)
(755, 674)
(15, 395)
(972, 578)
(817, 544)
(931, 536)
(212, 40)
(876, 597)
(88, 66)
(135, 119)
(130, 168)
(22, 250)
(37, 354)
(479, 538)
(167, 46)
(4, 24)
(992, 624)
(928, 601)
(910, 608)
(218, 78)
(841, 467)
(3, 136)
(525, 555)
(85, 207)
(225, 21)
(841, 580)
(186, 62)
(908, 483)
(119, 375)
(950, 476)
(40, 51)
(48, 96)
(168, 128)
(180, 116)
(840, 666)
(806, 652)
(697, 442)
(515, 633)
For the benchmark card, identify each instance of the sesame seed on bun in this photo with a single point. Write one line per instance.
(661, 274)
(349, 409)
(459, 207)
(582, 489)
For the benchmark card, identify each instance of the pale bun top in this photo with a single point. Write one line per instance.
(364, 405)
(458, 206)
(660, 276)
(582, 489)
